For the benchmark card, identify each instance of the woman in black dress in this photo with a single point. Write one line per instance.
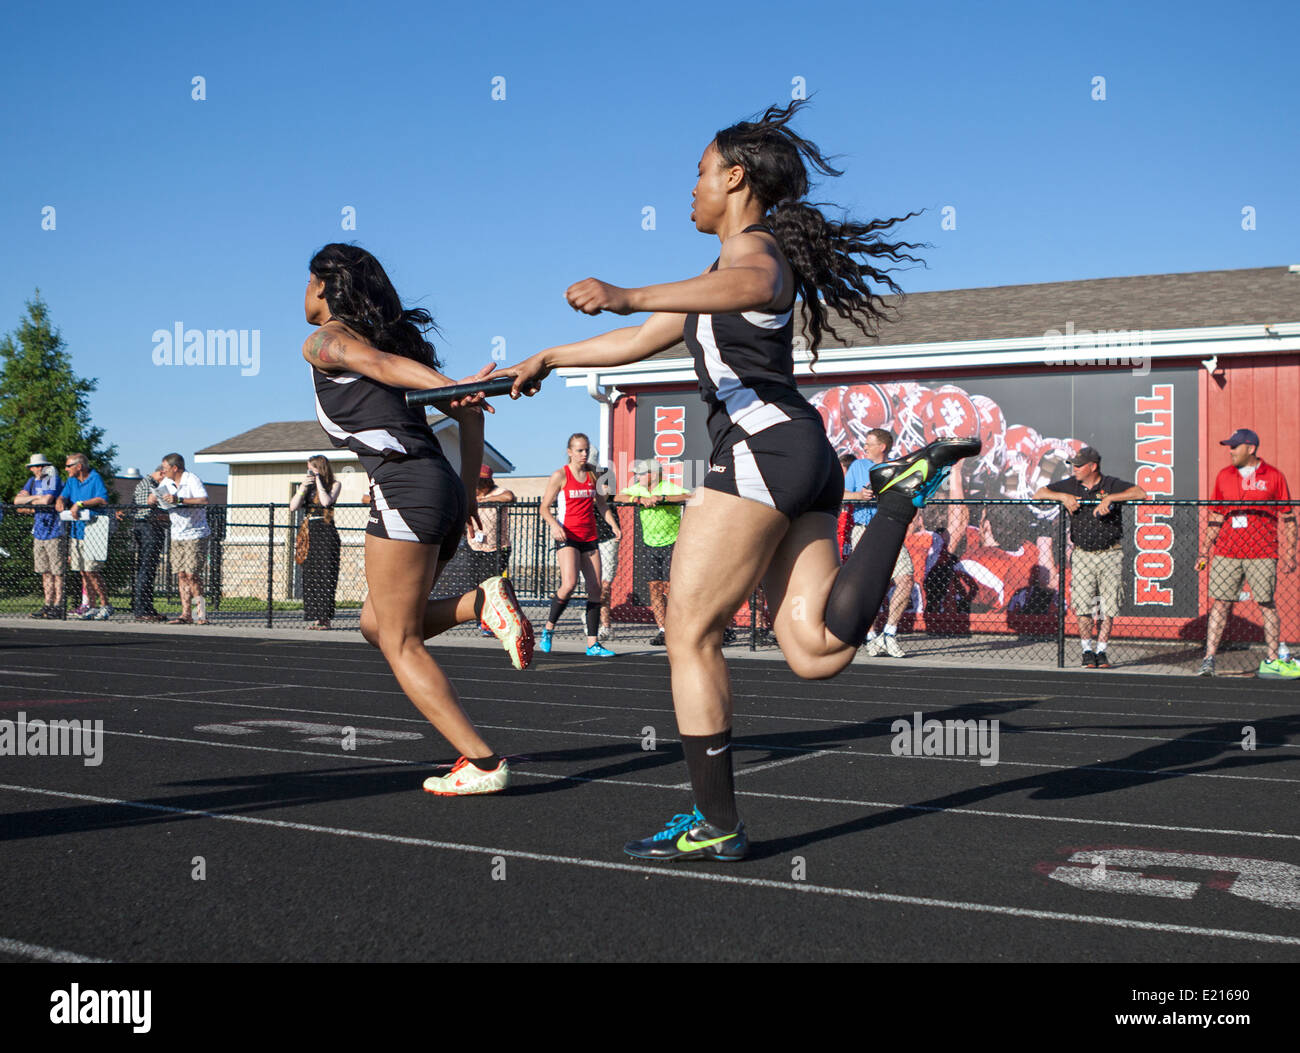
(318, 493)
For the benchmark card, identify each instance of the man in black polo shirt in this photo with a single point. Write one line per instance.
(1096, 565)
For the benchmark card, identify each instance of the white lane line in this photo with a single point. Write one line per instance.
(899, 806)
(803, 798)
(832, 721)
(846, 751)
(811, 755)
(625, 688)
(873, 687)
(45, 954)
(340, 755)
(952, 675)
(514, 728)
(683, 874)
(218, 691)
(24, 672)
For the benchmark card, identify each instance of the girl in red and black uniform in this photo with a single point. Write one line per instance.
(577, 500)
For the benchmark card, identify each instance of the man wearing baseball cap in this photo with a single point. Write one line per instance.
(1097, 531)
(1241, 544)
(49, 546)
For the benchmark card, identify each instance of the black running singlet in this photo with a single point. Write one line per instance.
(371, 419)
(745, 366)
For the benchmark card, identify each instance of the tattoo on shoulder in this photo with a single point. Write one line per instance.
(326, 349)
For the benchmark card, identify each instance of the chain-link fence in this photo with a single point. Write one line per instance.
(977, 582)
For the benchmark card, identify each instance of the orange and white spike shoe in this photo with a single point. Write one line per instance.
(503, 615)
(465, 778)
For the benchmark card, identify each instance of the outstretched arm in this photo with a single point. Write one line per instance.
(333, 348)
(749, 277)
(616, 348)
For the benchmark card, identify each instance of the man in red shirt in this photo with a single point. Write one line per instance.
(1244, 542)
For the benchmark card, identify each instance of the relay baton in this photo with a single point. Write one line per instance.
(427, 396)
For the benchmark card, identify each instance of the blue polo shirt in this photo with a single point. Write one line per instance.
(73, 490)
(858, 477)
(48, 525)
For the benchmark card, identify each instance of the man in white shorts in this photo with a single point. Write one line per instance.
(182, 495)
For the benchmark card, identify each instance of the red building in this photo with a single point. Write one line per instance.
(1152, 370)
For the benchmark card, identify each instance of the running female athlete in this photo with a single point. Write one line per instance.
(765, 512)
(578, 501)
(366, 350)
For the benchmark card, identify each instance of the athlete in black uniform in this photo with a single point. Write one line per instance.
(766, 509)
(366, 351)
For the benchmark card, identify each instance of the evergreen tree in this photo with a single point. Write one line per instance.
(44, 405)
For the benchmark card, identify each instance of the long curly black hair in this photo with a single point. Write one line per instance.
(820, 251)
(360, 295)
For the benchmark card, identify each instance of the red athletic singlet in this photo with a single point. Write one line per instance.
(575, 507)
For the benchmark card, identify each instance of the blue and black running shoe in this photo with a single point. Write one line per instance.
(691, 837)
(920, 474)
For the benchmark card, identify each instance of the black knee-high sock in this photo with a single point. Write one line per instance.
(593, 617)
(479, 599)
(708, 758)
(557, 608)
(863, 581)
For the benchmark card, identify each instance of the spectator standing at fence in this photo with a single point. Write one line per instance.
(607, 544)
(182, 496)
(489, 541)
(578, 501)
(1241, 544)
(857, 487)
(84, 491)
(1097, 533)
(317, 495)
(49, 546)
(148, 534)
(661, 504)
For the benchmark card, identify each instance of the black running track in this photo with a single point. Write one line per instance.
(1124, 820)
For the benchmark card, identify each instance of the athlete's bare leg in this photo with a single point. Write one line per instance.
(568, 559)
(400, 575)
(718, 531)
(798, 584)
(590, 564)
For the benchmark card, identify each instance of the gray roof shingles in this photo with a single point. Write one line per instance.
(291, 436)
(1199, 299)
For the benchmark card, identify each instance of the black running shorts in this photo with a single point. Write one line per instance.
(658, 561)
(790, 467)
(418, 499)
(583, 547)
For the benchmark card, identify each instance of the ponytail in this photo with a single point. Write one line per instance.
(822, 253)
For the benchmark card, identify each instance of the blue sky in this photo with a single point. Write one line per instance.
(169, 209)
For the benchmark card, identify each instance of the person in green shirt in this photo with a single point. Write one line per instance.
(661, 517)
